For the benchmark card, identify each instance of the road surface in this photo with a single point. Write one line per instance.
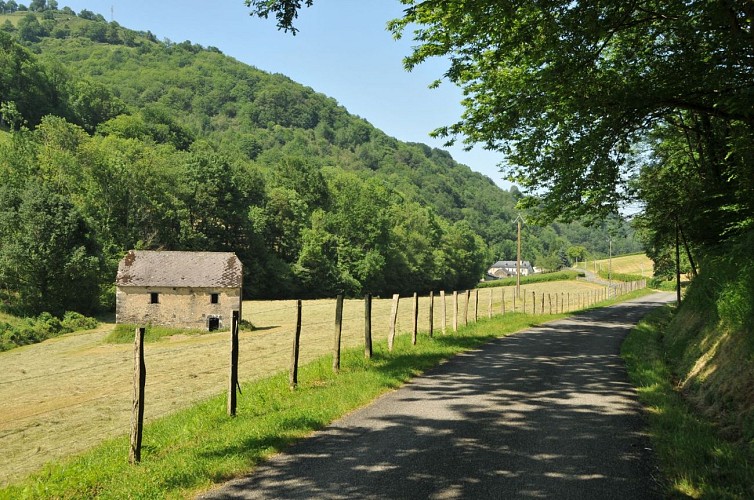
(545, 413)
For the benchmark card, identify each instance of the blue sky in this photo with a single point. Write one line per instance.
(342, 50)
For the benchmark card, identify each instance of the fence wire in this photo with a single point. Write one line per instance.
(180, 375)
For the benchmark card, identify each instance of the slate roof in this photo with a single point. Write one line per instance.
(180, 269)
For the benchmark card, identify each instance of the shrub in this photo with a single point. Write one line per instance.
(47, 324)
(44, 326)
(76, 321)
(620, 276)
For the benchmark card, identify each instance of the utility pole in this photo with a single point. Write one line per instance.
(610, 261)
(518, 221)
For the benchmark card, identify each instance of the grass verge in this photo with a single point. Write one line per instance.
(189, 451)
(694, 460)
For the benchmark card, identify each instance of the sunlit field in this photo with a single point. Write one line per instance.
(638, 264)
(69, 393)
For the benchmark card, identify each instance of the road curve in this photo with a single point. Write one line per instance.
(545, 413)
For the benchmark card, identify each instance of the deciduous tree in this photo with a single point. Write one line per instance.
(570, 92)
(48, 256)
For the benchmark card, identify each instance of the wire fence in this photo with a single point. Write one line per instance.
(80, 392)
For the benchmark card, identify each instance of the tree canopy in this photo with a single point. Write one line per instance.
(143, 144)
(593, 102)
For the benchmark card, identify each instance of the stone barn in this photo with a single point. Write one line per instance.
(180, 289)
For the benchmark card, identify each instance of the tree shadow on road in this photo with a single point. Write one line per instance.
(545, 413)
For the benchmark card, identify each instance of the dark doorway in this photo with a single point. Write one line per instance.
(213, 323)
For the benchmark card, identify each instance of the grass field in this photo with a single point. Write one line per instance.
(69, 393)
(189, 450)
(638, 264)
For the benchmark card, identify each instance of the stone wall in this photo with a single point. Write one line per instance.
(176, 307)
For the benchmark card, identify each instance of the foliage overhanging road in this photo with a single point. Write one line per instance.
(544, 413)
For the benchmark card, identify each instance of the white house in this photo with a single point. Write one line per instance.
(503, 268)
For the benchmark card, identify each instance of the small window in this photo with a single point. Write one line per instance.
(154, 298)
(214, 298)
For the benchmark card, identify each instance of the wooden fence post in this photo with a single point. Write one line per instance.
(523, 304)
(293, 375)
(431, 313)
(444, 311)
(476, 305)
(455, 311)
(137, 410)
(233, 376)
(534, 303)
(415, 326)
(543, 303)
(393, 320)
(337, 333)
(466, 308)
(489, 305)
(368, 326)
(549, 300)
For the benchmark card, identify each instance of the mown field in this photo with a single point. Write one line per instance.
(69, 393)
(638, 264)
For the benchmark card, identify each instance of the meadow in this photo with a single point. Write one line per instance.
(70, 393)
(637, 264)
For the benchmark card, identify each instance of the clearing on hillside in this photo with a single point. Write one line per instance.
(638, 264)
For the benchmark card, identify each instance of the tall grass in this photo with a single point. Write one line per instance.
(694, 459)
(124, 333)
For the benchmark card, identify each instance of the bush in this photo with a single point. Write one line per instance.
(76, 321)
(662, 284)
(620, 276)
(44, 326)
(726, 284)
(47, 324)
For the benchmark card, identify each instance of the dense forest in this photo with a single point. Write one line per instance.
(111, 140)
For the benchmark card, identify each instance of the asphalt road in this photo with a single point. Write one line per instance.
(546, 413)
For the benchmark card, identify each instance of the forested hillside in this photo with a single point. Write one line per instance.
(113, 140)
